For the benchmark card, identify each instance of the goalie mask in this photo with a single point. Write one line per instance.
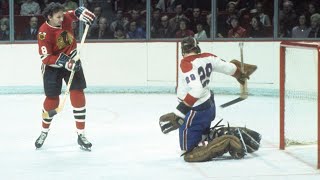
(190, 44)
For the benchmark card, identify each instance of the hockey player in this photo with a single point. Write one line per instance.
(58, 51)
(197, 109)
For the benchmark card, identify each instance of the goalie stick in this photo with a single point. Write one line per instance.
(51, 113)
(243, 88)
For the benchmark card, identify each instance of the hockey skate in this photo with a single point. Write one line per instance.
(84, 143)
(39, 142)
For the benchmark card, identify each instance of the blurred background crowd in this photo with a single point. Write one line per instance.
(172, 19)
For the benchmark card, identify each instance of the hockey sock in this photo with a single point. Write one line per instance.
(49, 103)
(80, 116)
(78, 102)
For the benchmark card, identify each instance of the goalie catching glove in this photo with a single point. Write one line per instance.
(69, 63)
(85, 15)
(172, 121)
(248, 70)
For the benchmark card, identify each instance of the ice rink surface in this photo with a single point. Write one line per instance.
(128, 143)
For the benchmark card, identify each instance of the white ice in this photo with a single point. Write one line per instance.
(128, 143)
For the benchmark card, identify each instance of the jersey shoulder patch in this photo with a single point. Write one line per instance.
(186, 63)
(42, 35)
(185, 66)
(43, 31)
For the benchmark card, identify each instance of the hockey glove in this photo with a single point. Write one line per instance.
(248, 70)
(173, 121)
(170, 122)
(84, 15)
(68, 63)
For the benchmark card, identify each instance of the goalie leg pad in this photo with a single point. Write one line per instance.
(215, 148)
(250, 137)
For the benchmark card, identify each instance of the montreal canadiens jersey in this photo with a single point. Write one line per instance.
(195, 74)
(55, 40)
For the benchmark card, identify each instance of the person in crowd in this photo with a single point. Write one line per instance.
(165, 30)
(119, 32)
(31, 32)
(120, 20)
(196, 19)
(257, 30)
(30, 8)
(201, 33)
(207, 25)
(224, 23)
(302, 30)
(4, 29)
(135, 32)
(167, 6)
(315, 26)
(236, 31)
(175, 21)
(70, 5)
(135, 16)
(264, 18)
(97, 11)
(102, 31)
(155, 22)
(287, 19)
(184, 31)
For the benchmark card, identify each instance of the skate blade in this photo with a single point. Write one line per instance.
(85, 149)
(38, 148)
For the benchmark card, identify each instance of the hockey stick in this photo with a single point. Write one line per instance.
(243, 88)
(51, 113)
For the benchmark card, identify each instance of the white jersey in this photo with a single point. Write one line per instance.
(195, 73)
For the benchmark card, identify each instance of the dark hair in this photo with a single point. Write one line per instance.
(51, 9)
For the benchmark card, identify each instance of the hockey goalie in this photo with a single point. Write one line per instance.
(196, 110)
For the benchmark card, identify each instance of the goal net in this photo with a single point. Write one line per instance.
(299, 103)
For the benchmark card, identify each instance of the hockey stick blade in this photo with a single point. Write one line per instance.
(239, 99)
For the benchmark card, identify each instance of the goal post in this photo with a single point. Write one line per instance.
(299, 94)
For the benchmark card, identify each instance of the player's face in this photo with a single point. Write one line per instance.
(56, 19)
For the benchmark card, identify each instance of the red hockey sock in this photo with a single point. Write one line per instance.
(49, 103)
(78, 102)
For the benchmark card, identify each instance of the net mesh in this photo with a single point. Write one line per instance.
(301, 96)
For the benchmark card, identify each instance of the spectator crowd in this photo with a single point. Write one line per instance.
(126, 19)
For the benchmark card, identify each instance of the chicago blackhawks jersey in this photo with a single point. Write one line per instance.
(195, 75)
(55, 40)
